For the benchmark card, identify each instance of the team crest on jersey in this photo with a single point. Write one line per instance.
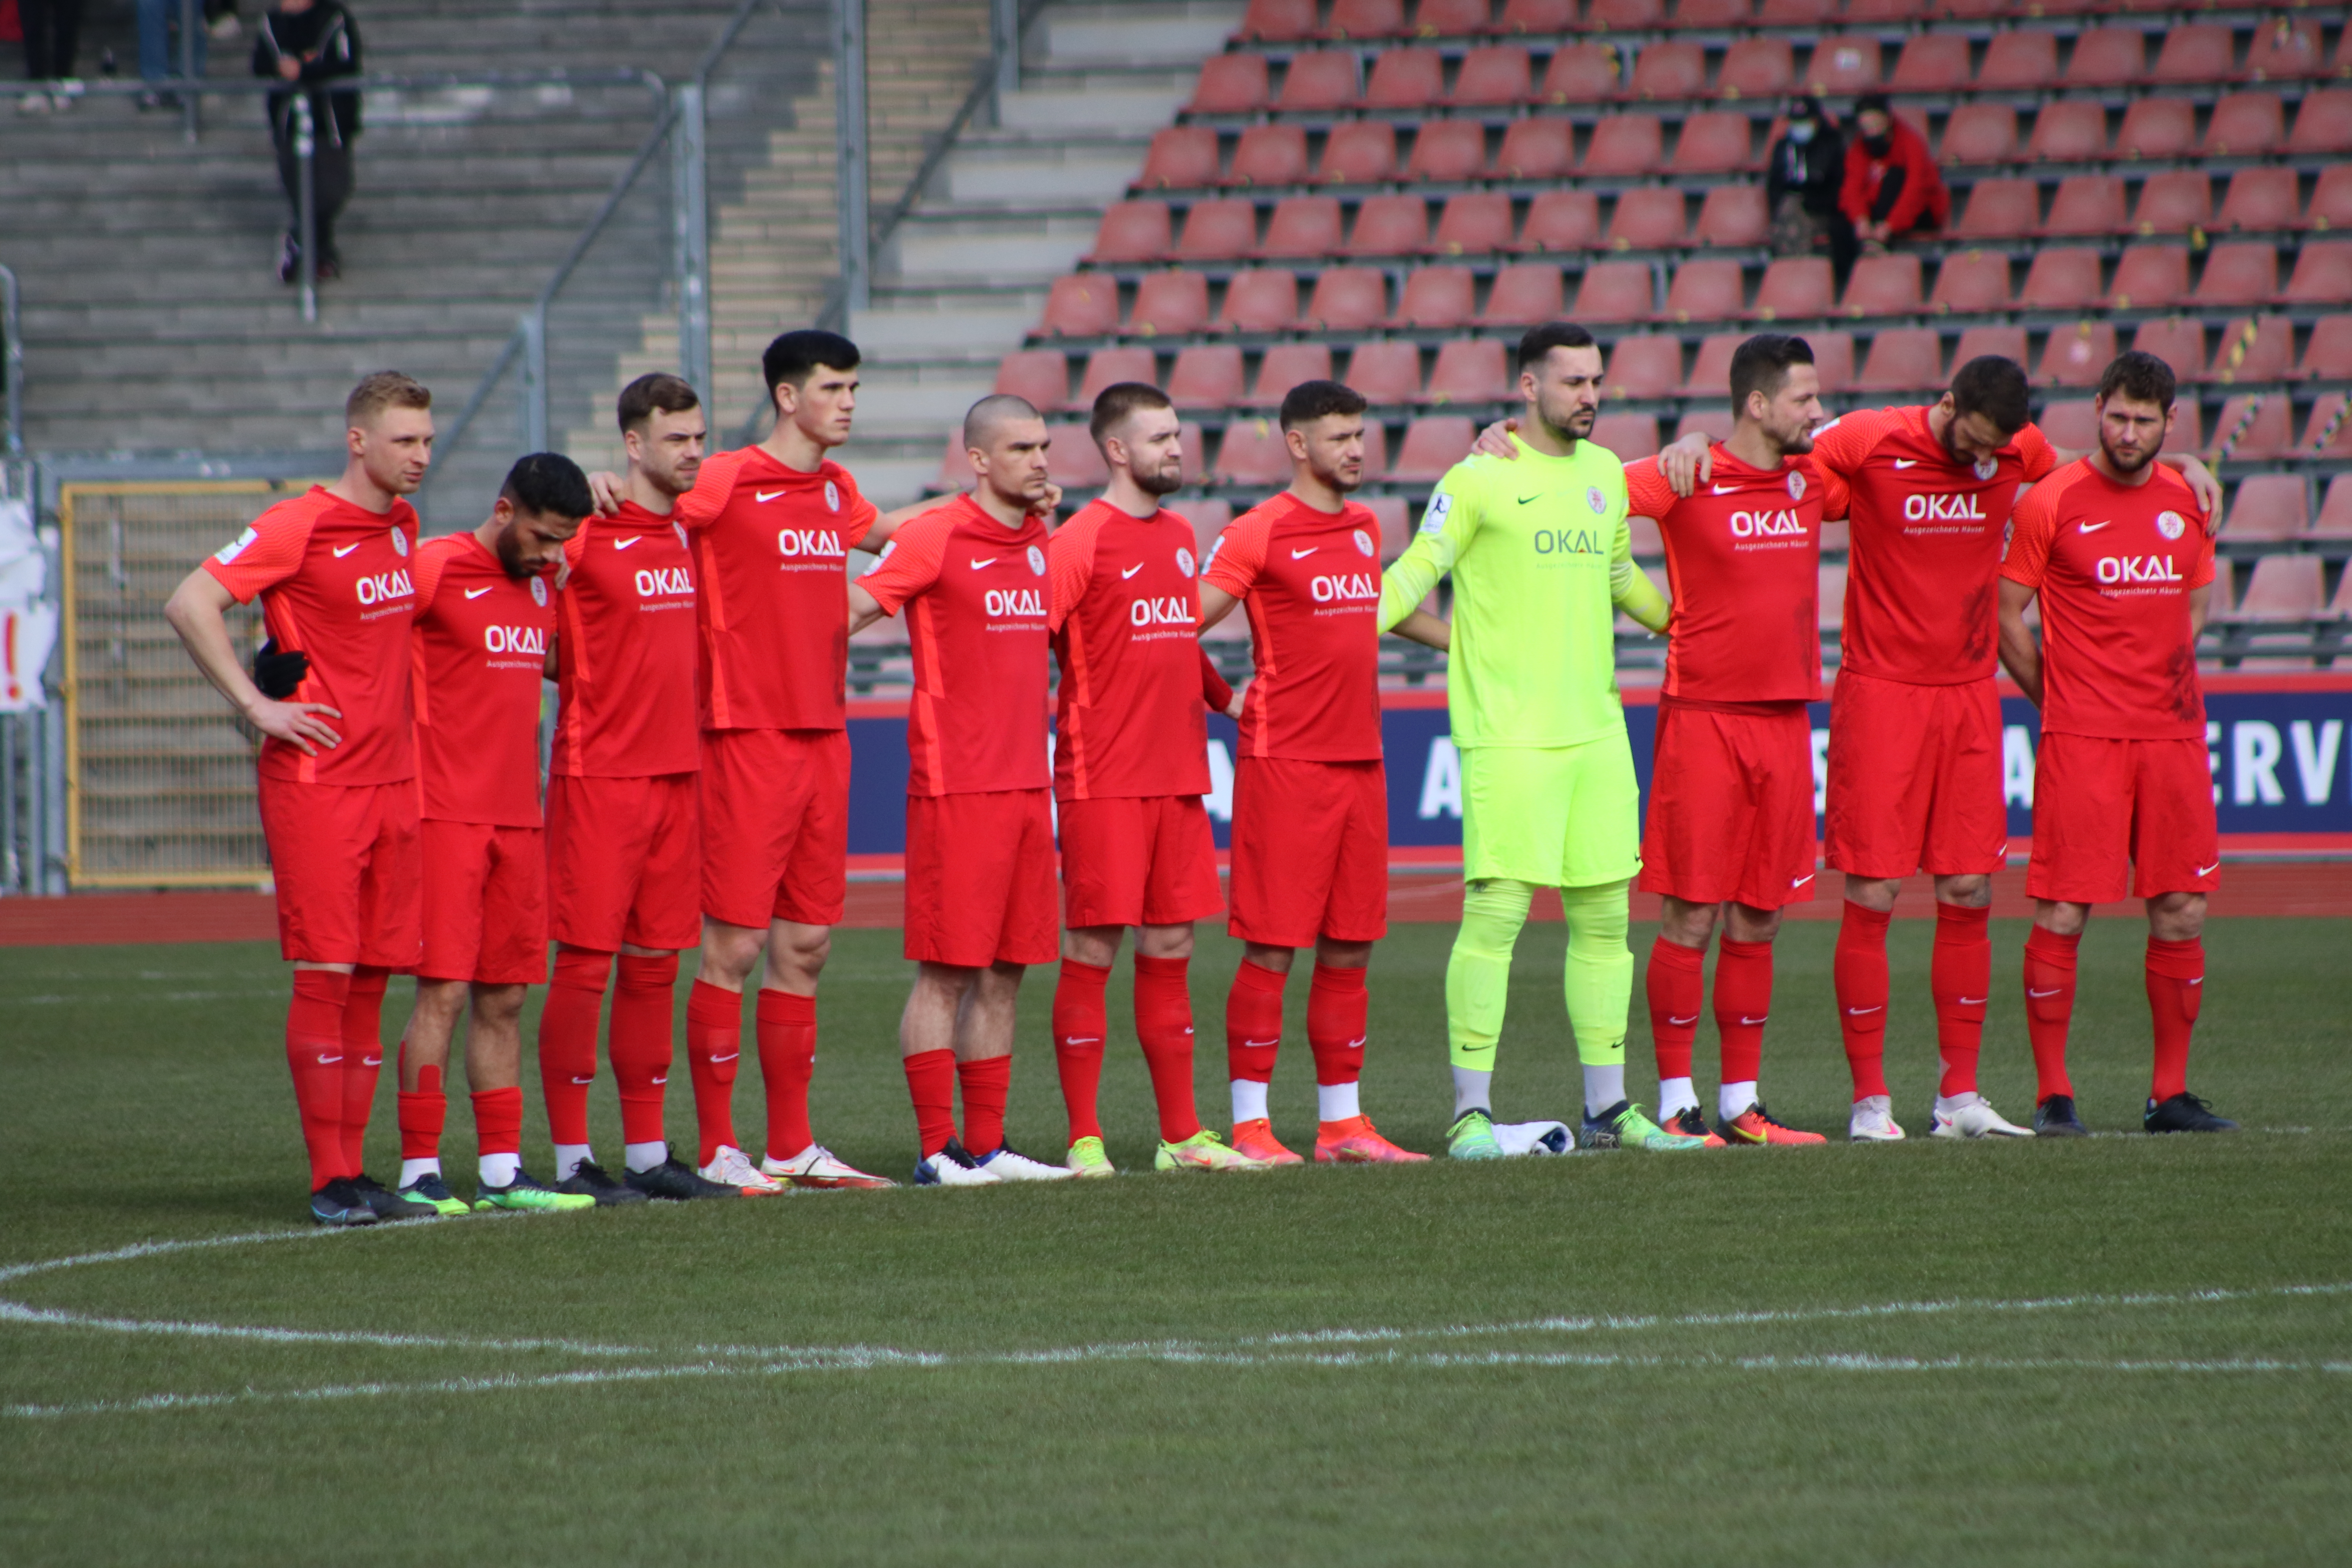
(1986, 467)
(2171, 524)
(399, 542)
(539, 592)
(1796, 485)
(832, 496)
(1363, 543)
(1036, 561)
(1183, 561)
(1596, 500)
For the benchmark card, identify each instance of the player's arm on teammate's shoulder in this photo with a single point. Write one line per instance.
(198, 610)
(2041, 456)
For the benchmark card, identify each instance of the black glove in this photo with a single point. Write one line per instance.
(278, 674)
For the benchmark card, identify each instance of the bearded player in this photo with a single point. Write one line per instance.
(970, 576)
(1310, 796)
(338, 764)
(484, 619)
(2113, 547)
(1130, 765)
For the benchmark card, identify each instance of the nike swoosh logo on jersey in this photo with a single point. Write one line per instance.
(624, 544)
(2054, 991)
(1303, 554)
(2208, 870)
(1800, 881)
(984, 561)
(1133, 569)
(475, 593)
(1724, 490)
(2094, 527)
(346, 550)
(1528, 500)
(766, 496)
(1906, 462)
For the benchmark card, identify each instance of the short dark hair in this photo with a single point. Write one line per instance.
(381, 390)
(548, 484)
(1870, 100)
(660, 390)
(1540, 341)
(980, 420)
(794, 357)
(1761, 364)
(1993, 385)
(1119, 399)
(2142, 377)
(1311, 400)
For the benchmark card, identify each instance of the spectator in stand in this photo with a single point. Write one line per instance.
(159, 50)
(1802, 179)
(1892, 188)
(50, 28)
(311, 42)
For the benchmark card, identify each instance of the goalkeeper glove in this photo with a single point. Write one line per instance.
(278, 674)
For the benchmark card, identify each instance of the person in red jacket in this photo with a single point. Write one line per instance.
(1892, 188)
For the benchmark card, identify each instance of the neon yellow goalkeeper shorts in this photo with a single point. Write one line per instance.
(1557, 816)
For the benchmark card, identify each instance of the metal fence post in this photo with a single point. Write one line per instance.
(191, 18)
(534, 379)
(12, 365)
(306, 163)
(690, 212)
(850, 152)
(1005, 38)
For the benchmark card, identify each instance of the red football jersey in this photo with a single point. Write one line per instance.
(335, 584)
(1743, 557)
(477, 654)
(976, 603)
(1925, 543)
(772, 556)
(626, 654)
(2114, 566)
(1125, 617)
(1310, 582)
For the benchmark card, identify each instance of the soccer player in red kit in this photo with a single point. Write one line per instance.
(484, 619)
(1729, 831)
(338, 764)
(625, 844)
(970, 576)
(2116, 549)
(1310, 796)
(1130, 765)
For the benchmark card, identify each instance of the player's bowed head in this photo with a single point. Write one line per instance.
(539, 508)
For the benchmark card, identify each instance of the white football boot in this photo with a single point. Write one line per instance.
(1007, 1164)
(953, 1167)
(730, 1167)
(1873, 1121)
(816, 1166)
(1970, 1116)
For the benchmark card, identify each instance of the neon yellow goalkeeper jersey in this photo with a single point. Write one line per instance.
(1540, 557)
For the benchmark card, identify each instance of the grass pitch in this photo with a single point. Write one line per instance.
(2121, 1350)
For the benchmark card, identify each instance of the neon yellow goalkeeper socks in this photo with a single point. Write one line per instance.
(1478, 974)
(1599, 979)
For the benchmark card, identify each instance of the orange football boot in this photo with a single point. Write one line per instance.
(1355, 1141)
(1257, 1140)
(1691, 1124)
(1755, 1125)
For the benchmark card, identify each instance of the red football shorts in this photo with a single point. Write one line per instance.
(485, 903)
(624, 861)
(1137, 860)
(979, 879)
(1915, 779)
(2112, 817)
(345, 858)
(1731, 807)
(1310, 852)
(775, 826)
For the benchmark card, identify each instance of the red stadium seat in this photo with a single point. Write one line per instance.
(2179, 341)
(2194, 52)
(1439, 297)
(1278, 21)
(1734, 216)
(1537, 148)
(1270, 155)
(2285, 587)
(1844, 63)
(1757, 68)
(1493, 77)
(1707, 289)
(2239, 272)
(1085, 306)
(1832, 359)
(1883, 286)
(1360, 152)
(1933, 62)
(1469, 370)
(2328, 355)
(1452, 18)
(1614, 291)
(2157, 128)
(2245, 125)
(2063, 279)
(1981, 132)
(1977, 10)
(1075, 462)
(1302, 228)
(1796, 13)
(2322, 274)
(1859, 11)
(1524, 293)
(2175, 202)
(1903, 359)
(1230, 84)
(2006, 342)
(1347, 300)
(1433, 444)
(1220, 230)
(1712, 14)
(1626, 16)
(2286, 51)
(2108, 56)
(2335, 518)
(2087, 205)
(1644, 365)
(1794, 287)
(1206, 376)
(1389, 225)
(2073, 423)
(1713, 143)
(1711, 373)
(1366, 19)
(1562, 220)
(1182, 157)
(1394, 516)
(2069, 132)
(1133, 231)
(2323, 123)
(1285, 366)
(2150, 278)
(1625, 144)
(1319, 82)
(2254, 348)
(1580, 73)
(1253, 453)
(1260, 300)
(1406, 78)
(1971, 282)
(1475, 222)
(1451, 150)
(1649, 219)
(2019, 62)
(1628, 438)
(1674, 69)
(1041, 376)
(1537, 16)
(1386, 374)
(2331, 203)
(1208, 519)
(2078, 355)
(2001, 209)
(1171, 304)
(2268, 508)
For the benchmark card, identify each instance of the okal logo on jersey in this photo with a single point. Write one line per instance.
(1165, 611)
(1568, 542)
(1353, 587)
(793, 544)
(516, 639)
(1942, 508)
(655, 582)
(1766, 524)
(2115, 570)
(378, 586)
(1016, 602)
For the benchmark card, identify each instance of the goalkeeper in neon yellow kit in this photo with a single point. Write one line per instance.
(1542, 560)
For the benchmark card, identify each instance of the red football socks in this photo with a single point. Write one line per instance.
(642, 1042)
(314, 1054)
(1338, 1012)
(931, 1084)
(2050, 1007)
(1860, 971)
(567, 1040)
(423, 1110)
(2176, 984)
(1676, 987)
(1743, 1000)
(498, 1120)
(1080, 1021)
(362, 1061)
(1253, 1022)
(1959, 977)
(714, 1049)
(787, 1061)
(987, 1084)
(1163, 1027)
